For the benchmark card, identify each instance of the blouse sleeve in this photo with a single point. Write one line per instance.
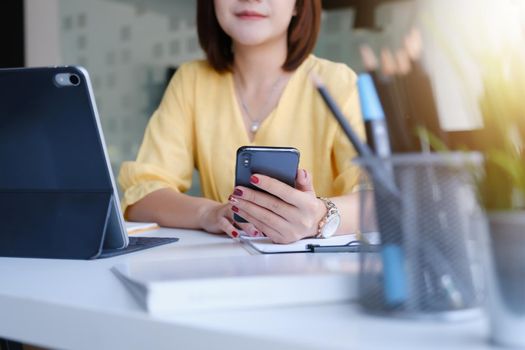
(348, 175)
(166, 157)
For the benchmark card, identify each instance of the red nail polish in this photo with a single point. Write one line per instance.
(235, 209)
(235, 234)
(255, 233)
(254, 179)
(237, 192)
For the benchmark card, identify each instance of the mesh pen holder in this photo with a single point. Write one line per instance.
(432, 237)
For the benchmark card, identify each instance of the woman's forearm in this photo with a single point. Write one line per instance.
(171, 209)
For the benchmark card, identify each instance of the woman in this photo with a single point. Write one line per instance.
(253, 89)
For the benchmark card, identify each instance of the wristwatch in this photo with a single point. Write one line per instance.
(330, 222)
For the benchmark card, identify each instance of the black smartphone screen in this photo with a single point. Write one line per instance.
(280, 163)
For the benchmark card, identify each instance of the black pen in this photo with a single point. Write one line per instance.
(377, 168)
(346, 248)
(361, 148)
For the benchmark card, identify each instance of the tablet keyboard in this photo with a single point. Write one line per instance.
(136, 244)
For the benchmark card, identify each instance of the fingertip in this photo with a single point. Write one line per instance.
(255, 179)
(229, 229)
(234, 234)
(302, 176)
(249, 230)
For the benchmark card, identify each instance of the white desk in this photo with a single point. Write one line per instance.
(81, 305)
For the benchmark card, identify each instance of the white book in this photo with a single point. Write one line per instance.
(169, 286)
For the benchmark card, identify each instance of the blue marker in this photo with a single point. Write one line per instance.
(374, 117)
(395, 290)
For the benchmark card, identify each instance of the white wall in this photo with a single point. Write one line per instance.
(42, 39)
(127, 48)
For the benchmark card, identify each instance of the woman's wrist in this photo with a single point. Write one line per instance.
(203, 213)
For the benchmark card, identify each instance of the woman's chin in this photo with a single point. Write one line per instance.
(251, 40)
(255, 40)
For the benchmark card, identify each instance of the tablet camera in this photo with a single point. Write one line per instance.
(67, 79)
(74, 79)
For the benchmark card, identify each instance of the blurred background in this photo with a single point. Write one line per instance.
(132, 47)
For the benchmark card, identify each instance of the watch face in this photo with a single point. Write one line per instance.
(331, 226)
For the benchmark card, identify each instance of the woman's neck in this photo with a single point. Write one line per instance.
(259, 65)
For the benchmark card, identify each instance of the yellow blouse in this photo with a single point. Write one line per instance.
(199, 125)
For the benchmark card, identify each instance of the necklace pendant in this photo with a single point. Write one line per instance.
(254, 127)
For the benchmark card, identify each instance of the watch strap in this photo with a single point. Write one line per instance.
(331, 210)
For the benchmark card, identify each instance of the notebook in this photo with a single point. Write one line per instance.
(172, 286)
(265, 246)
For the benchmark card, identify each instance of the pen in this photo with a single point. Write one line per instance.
(346, 248)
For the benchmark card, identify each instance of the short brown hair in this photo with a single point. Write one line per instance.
(302, 35)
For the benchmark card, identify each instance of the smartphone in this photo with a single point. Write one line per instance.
(280, 163)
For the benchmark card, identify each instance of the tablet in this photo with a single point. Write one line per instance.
(58, 197)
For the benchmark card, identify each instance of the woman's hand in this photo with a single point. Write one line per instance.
(218, 218)
(293, 214)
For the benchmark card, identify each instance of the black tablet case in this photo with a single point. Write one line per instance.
(56, 195)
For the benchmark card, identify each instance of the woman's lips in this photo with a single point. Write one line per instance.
(252, 15)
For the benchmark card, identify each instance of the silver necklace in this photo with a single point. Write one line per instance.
(255, 123)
